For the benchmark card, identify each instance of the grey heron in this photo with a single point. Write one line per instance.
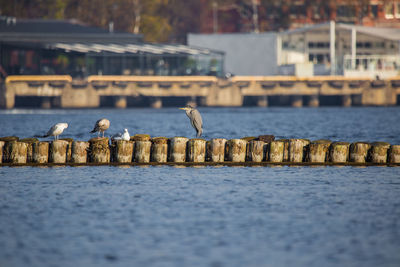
(100, 126)
(195, 119)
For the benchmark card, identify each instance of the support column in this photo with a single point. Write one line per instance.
(332, 41)
(262, 101)
(120, 102)
(313, 101)
(156, 103)
(46, 103)
(297, 101)
(353, 48)
(346, 101)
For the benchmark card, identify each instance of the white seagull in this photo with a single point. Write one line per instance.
(125, 136)
(100, 126)
(56, 130)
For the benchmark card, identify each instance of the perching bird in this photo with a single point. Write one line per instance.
(119, 136)
(56, 130)
(195, 119)
(100, 126)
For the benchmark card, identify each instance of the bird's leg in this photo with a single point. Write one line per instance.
(103, 133)
(98, 134)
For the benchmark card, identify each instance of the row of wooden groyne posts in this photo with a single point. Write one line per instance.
(143, 150)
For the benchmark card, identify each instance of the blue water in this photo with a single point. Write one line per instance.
(226, 216)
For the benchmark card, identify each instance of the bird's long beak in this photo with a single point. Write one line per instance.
(183, 108)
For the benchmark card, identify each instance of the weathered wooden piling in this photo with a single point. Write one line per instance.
(159, 149)
(339, 152)
(285, 149)
(79, 151)
(296, 149)
(2, 143)
(69, 148)
(379, 152)
(58, 151)
(29, 152)
(196, 150)
(40, 152)
(359, 152)
(217, 150)
(142, 148)
(318, 151)
(177, 149)
(256, 151)
(276, 151)
(123, 151)
(15, 152)
(237, 150)
(394, 154)
(99, 150)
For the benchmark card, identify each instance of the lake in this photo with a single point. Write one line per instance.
(208, 216)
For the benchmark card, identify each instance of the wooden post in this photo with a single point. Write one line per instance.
(318, 151)
(296, 149)
(15, 152)
(285, 149)
(79, 151)
(2, 143)
(6, 154)
(40, 152)
(217, 150)
(237, 150)
(379, 152)
(69, 148)
(58, 151)
(359, 152)
(159, 149)
(394, 154)
(29, 142)
(142, 148)
(123, 151)
(99, 150)
(178, 149)
(339, 152)
(276, 151)
(196, 150)
(256, 151)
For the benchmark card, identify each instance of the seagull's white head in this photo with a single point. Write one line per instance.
(125, 130)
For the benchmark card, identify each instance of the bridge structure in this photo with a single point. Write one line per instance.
(206, 90)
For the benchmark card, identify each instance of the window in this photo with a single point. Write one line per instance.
(374, 10)
(389, 10)
(397, 10)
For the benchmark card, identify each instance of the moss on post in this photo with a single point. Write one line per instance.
(196, 150)
(58, 151)
(359, 152)
(40, 152)
(217, 150)
(394, 154)
(141, 137)
(99, 150)
(123, 151)
(237, 150)
(296, 149)
(318, 151)
(178, 149)
(339, 152)
(159, 149)
(79, 151)
(255, 151)
(379, 152)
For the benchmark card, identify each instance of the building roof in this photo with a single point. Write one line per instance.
(73, 36)
(384, 33)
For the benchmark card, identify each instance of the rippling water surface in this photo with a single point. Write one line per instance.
(227, 216)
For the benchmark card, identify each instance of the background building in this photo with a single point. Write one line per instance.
(33, 46)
